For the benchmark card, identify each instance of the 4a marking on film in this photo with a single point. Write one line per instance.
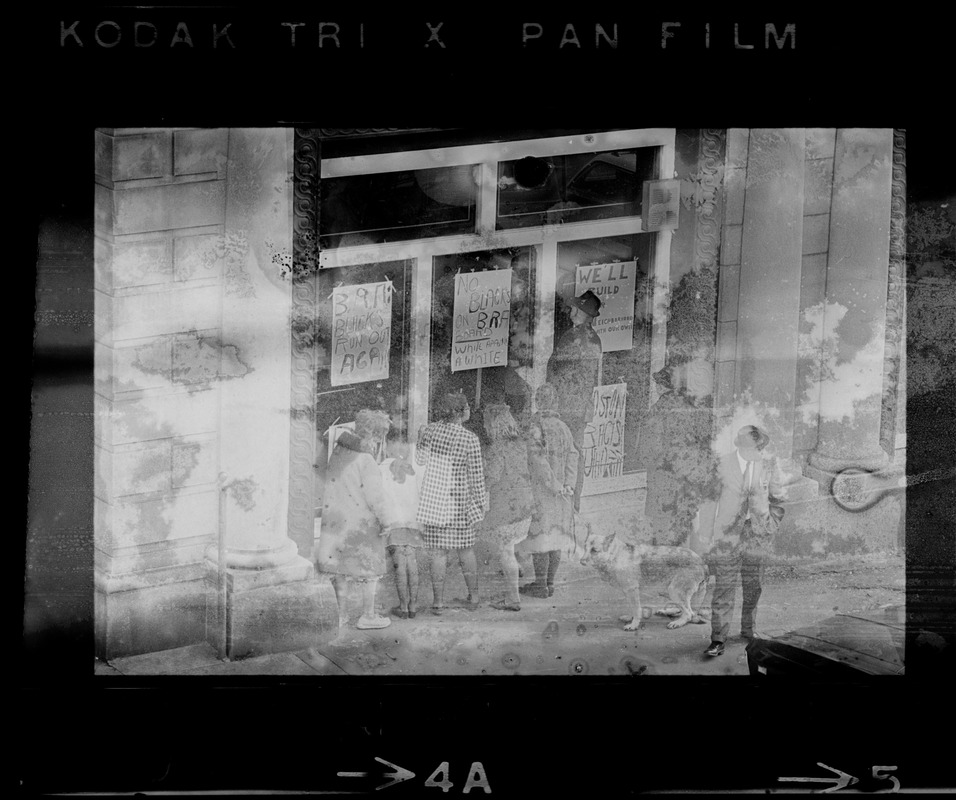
(477, 778)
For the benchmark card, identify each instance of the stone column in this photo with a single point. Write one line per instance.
(855, 308)
(759, 300)
(273, 602)
(159, 210)
(768, 304)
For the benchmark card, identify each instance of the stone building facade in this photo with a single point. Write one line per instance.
(776, 293)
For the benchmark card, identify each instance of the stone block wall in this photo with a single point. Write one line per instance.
(159, 223)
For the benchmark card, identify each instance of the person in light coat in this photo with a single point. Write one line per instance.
(739, 528)
(354, 515)
(510, 500)
(554, 470)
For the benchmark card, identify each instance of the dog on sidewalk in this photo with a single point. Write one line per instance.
(684, 571)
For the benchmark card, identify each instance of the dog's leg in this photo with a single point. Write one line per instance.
(633, 595)
(680, 589)
(696, 604)
(670, 610)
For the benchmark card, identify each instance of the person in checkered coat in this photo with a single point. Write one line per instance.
(453, 497)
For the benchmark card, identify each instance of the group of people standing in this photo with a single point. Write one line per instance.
(441, 501)
(522, 485)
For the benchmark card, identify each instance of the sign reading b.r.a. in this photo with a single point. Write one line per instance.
(361, 332)
(482, 320)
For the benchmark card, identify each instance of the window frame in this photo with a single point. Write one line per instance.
(543, 238)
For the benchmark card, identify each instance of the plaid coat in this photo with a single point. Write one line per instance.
(452, 493)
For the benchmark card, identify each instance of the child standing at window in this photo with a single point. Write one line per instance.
(404, 537)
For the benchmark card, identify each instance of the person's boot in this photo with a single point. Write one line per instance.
(540, 586)
(554, 561)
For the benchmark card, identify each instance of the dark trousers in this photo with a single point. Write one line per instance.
(727, 569)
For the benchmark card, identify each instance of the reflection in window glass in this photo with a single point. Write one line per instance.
(509, 383)
(572, 188)
(578, 264)
(397, 206)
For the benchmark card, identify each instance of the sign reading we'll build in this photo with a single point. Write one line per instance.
(482, 320)
(614, 285)
(361, 332)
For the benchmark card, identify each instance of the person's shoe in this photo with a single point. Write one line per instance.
(367, 623)
(550, 591)
(534, 590)
(398, 612)
(504, 605)
(748, 636)
(466, 603)
(715, 649)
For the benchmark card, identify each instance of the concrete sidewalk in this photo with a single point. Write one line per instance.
(575, 632)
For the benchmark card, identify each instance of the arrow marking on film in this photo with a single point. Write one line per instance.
(841, 781)
(400, 774)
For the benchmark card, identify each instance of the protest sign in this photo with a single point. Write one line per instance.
(482, 320)
(603, 444)
(614, 285)
(361, 332)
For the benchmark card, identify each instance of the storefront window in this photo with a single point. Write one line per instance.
(615, 270)
(482, 345)
(361, 345)
(397, 206)
(573, 188)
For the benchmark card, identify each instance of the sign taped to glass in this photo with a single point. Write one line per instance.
(614, 284)
(482, 320)
(604, 436)
(361, 332)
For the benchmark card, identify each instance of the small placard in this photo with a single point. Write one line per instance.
(614, 285)
(661, 210)
(361, 332)
(603, 445)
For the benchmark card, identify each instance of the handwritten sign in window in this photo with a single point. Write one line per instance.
(482, 320)
(603, 443)
(361, 332)
(614, 285)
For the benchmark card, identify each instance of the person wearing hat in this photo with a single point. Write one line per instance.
(740, 528)
(355, 516)
(574, 370)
